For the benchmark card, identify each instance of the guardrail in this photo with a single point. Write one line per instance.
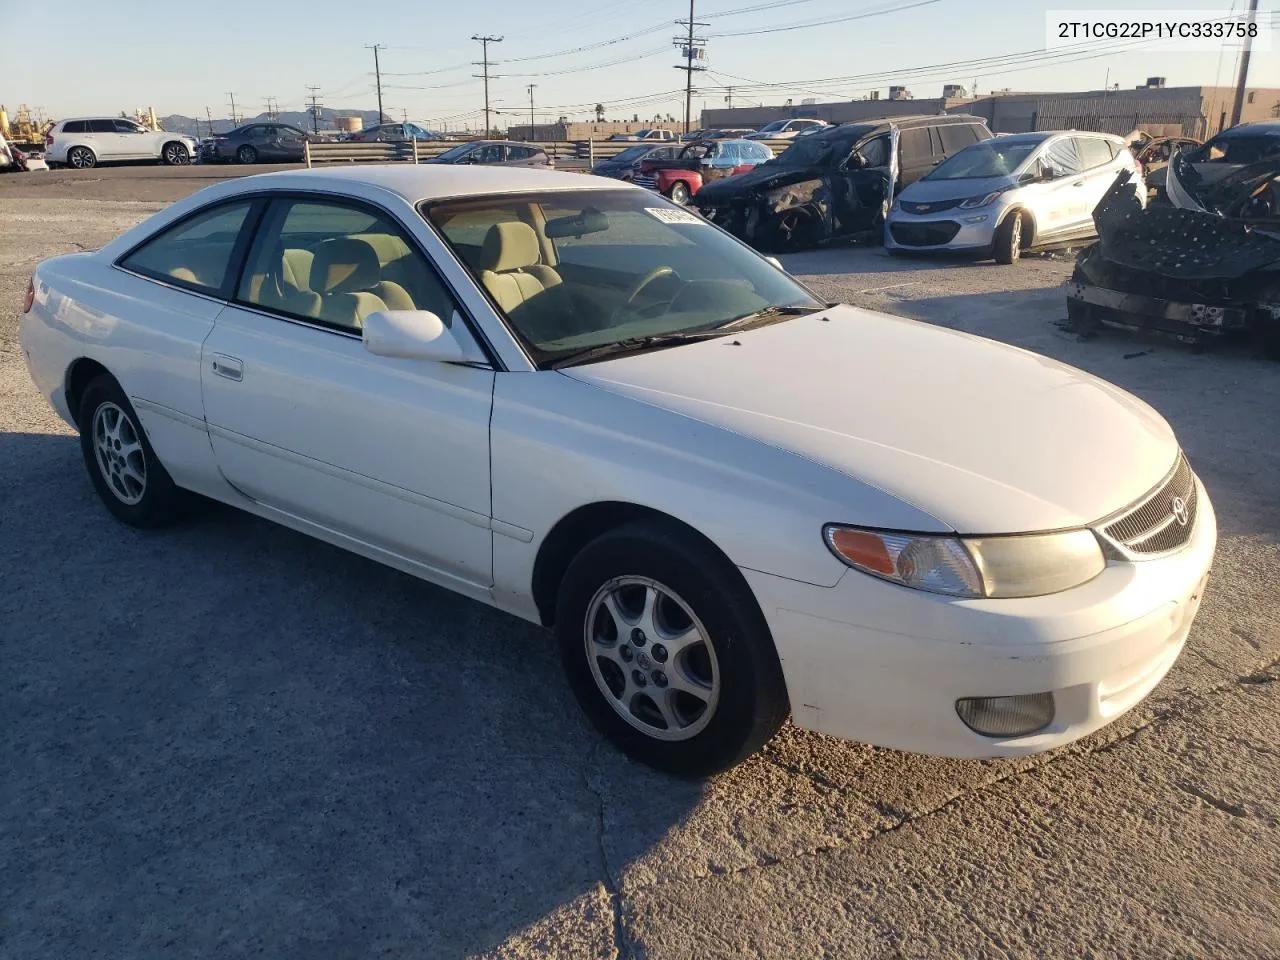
(567, 153)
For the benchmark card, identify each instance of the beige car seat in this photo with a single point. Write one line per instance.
(346, 282)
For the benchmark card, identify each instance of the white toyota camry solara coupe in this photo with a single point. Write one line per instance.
(574, 401)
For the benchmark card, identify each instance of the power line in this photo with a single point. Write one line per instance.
(377, 73)
(484, 42)
(786, 28)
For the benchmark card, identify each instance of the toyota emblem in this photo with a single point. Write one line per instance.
(1179, 508)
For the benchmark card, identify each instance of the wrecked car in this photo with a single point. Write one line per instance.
(1227, 153)
(837, 184)
(1203, 266)
(698, 164)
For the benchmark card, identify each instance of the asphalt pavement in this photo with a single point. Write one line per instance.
(227, 739)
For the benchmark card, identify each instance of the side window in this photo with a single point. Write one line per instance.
(915, 147)
(492, 153)
(957, 136)
(75, 126)
(124, 126)
(255, 132)
(1094, 152)
(338, 263)
(102, 126)
(728, 153)
(196, 253)
(520, 153)
(1062, 156)
(875, 153)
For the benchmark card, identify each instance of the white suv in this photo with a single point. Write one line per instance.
(87, 141)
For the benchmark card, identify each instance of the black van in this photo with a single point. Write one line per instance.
(837, 184)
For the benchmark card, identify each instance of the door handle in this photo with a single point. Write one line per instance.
(230, 367)
(1078, 183)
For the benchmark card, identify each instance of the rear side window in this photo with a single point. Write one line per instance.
(915, 147)
(102, 126)
(957, 136)
(521, 153)
(1094, 152)
(124, 126)
(75, 126)
(196, 253)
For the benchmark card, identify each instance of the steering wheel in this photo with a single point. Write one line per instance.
(657, 273)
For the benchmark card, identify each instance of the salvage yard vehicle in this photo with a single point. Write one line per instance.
(625, 165)
(835, 184)
(1228, 152)
(697, 164)
(505, 153)
(393, 133)
(586, 406)
(258, 143)
(1005, 196)
(1204, 266)
(84, 142)
(787, 129)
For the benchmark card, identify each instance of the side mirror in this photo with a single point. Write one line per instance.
(411, 335)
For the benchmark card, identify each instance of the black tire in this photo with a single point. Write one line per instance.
(81, 158)
(751, 698)
(175, 154)
(680, 192)
(794, 229)
(1008, 243)
(159, 501)
(246, 154)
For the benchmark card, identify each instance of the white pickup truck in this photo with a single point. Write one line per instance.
(85, 142)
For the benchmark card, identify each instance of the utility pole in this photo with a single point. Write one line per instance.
(377, 73)
(404, 115)
(234, 121)
(314, 107)
(209, 113)
(1243, 77)
(484, 42)
(729, 98)
(271, 110)
(693, 48)
(531, 86)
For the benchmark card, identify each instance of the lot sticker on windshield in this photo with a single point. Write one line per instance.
(673, 216)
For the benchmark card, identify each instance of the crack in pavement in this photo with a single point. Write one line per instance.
(623, 946)
(1234, 809)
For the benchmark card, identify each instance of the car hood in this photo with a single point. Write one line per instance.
(984, 437)
(762, 177)
(931, 191)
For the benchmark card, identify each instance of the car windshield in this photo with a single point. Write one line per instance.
(453, 153)
(990, 158)
(602, 270)
(773, 127)
(814, 151)
(632, 154)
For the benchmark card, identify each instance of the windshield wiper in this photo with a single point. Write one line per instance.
(771, 313)
(632, 344)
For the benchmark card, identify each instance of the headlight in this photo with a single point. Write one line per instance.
(1029, 565)
(973, 202)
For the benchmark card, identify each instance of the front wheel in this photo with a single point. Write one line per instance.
(175, 154)
(246, 155)
(1008, 246)
(667, 652)
(125, 471)
(680, 192)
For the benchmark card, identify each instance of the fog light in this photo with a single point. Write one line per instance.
(1006, 716)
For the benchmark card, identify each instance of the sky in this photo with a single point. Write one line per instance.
(71, 57)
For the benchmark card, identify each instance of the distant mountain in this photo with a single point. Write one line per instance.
(177, 123)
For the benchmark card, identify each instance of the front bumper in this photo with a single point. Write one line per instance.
(871, 661)
(950, 231)
(1189, 322)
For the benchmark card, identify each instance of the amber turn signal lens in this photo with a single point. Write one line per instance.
(866, 550)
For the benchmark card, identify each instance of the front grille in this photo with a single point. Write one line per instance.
(933, 206)
(649, 183)
(1163, 520)
(924, 234)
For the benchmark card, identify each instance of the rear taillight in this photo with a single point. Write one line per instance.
(31, 295)
(48, 141)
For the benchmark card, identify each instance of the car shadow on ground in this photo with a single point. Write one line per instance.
(229, 733)
(874, 259)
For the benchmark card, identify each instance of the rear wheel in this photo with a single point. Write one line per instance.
(175, 154)
(680, 192)
(82, 158)
(1008, 244)
(666, 650)
(246, 154)
(794, 229)
(128, 477)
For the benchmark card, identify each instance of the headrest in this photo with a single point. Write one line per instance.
(387, 246)
(344, 265)
(509, 246)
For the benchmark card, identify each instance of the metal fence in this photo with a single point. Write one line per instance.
(1118, 116)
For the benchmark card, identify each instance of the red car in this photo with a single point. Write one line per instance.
(700, 162)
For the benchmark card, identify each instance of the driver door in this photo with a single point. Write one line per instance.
(862, 186)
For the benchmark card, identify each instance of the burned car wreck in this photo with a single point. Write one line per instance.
(1203, 266)
(834, 185)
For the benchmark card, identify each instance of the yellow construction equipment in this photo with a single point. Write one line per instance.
(22, 129)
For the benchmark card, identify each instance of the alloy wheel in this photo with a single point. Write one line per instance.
(652, 658)
(176, 154)
(1015, 236)
(121, 458)
(81, 158)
